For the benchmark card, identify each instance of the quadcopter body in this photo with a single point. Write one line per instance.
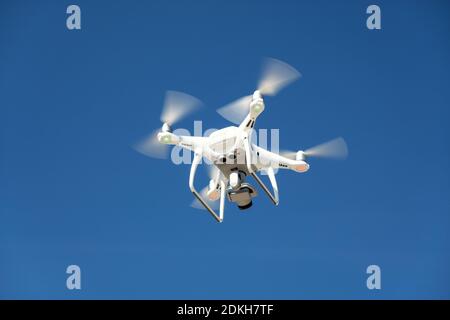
(230, 152)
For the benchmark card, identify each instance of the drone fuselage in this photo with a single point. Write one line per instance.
(230, 149)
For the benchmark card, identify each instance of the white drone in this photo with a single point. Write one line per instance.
(230, 150)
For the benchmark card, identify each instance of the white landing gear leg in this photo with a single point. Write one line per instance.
(271, 174)
(195, 162)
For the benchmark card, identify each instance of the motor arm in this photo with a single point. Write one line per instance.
(191, 143)
(267, 159)
(256, 107)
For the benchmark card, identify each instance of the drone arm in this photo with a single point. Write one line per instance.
(267, 159)
(194, 166)
(256, 108)
(248, 123)
(191, 143)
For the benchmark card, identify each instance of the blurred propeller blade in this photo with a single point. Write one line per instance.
(237, 110)
(275, 76)
(203, 193)
(288, 154)
(151, 147)
(336, 148)
(213, 171)
(177, 105)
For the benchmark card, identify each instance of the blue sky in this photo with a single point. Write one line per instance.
(74, 192)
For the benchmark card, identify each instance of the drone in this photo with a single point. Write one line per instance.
(230, 152)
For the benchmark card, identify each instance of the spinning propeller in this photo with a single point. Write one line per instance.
(335, 149)
(214, 176)
(176, 106)
(275, 76)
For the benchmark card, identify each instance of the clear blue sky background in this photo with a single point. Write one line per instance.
(72, 191)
